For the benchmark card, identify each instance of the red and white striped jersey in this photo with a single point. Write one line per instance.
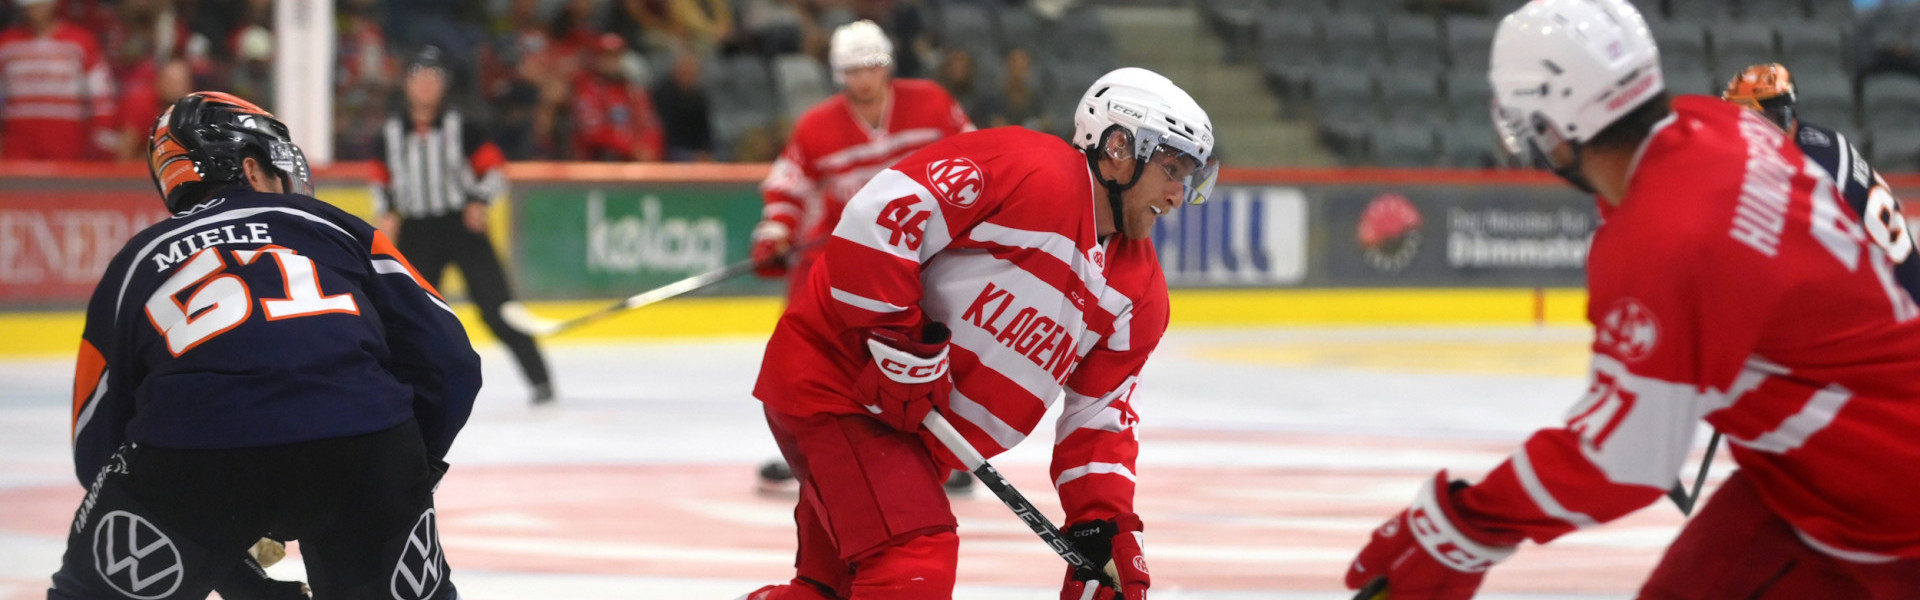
(833, 153)
(58, 96)
(994, 234)
(1734, 284)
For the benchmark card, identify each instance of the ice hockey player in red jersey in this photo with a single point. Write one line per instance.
(836, 147)
(1728, 282)
(985, 277)
(840, 143)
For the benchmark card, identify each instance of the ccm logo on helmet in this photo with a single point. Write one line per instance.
(1633, 93)
(900, 371)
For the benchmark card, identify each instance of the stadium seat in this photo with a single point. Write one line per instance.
(969, 26)
(1020, 28)
(803, 83)
(1405, 144)
(1289, 51)
(1825, 98)
(1890, 102)
(1702, 10)
(1469, 144)
(1412, 94)
(1353, 41)
(1813, 46)
(1413, 41)
(1739, 44)
(1300, 7)
(1683, 51)
(1469, 97)
(1693, 78)
(1345, 111)
(1896, 151)
(1469, 40)
(1831, 11)
(1789, 11)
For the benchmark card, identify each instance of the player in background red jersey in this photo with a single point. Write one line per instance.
(836, 147)
(1728, 283)
(986, 277)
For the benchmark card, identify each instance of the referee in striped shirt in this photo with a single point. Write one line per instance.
(433, 181)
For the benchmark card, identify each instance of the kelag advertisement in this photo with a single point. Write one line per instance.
(606, 240)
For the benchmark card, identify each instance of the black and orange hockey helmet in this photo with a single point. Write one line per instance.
(200, 141)
(1765, 88)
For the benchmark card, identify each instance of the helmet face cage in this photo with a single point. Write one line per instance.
(1197, 170)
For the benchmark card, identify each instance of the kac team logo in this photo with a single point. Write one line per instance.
(1389, 232)
(1629, 330)
(422, 566)
(135, 558)
(957, 181)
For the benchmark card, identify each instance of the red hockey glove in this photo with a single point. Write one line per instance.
(771, 241)
(907, 378)
(1102, 541)
(1428, 551)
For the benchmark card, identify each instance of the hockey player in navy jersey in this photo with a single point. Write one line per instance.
(260, 362)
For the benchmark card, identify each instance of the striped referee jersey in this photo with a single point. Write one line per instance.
(433, 171)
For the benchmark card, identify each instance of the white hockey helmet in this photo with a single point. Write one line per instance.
(857, 45)
(1158, 116)
(1563, 70)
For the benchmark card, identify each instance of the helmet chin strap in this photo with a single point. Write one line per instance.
(1114, 187)
(1571, 171)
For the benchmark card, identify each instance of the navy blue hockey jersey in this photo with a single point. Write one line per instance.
(1869, 196)
(256, 319)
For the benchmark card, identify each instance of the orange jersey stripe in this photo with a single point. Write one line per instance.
(86, 379)
(383, 245)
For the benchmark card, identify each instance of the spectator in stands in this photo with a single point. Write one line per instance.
(146, 98)
(684, 111)
(772, 27)
(961, 80)
(668, 25)
(1018, 102)
(366, 75)
(62, 107)
(575, 28)
(613, 117)
(145, 34)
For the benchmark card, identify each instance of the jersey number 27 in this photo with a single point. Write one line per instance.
(222, 301)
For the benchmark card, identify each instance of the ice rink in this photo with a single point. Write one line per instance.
(1267, 456)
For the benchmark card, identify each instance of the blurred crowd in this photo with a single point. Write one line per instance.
(617, 80)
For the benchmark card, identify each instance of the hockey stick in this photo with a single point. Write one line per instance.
(530, 324)
(1679, 494)
(949, 437)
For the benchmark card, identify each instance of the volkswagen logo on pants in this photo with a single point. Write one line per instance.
(135, 558)
(421, 567)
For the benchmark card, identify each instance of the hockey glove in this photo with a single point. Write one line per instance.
(907, 379)
(1428, 550)
(1103, 541)
(771, 241)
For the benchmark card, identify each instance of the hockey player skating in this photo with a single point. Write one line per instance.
(836, 147)
(982, 277)
(1728, 282)
(259, 362)
(1768, 88)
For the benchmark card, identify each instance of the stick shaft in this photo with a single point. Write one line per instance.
(671, 290)
(1035, 520)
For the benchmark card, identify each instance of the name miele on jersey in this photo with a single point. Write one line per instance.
(185, 247)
